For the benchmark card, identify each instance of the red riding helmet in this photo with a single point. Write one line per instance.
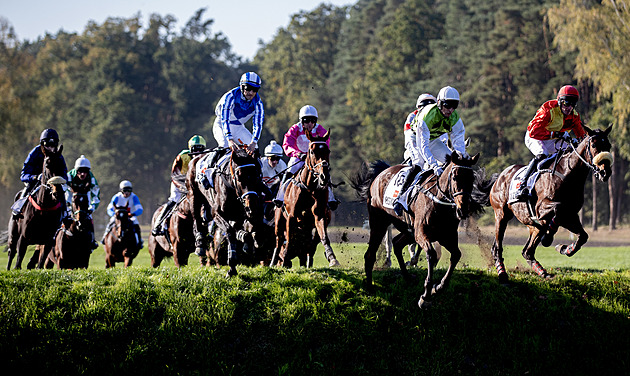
(568, 91)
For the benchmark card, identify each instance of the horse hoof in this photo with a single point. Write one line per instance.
(424, 304)
(231, 273)
(334, 263)
(546, 240)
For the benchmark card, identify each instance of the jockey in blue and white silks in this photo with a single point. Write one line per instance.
(234, 109)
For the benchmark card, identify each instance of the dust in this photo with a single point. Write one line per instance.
(484, 241)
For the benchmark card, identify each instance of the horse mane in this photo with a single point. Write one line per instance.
(362, 180)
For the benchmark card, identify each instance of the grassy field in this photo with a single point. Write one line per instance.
(320, 321)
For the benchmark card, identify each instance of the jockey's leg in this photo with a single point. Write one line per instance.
(159, 229)
(137, 231)
(333, 203)
(108, 228)
(19, 203)
(523, 193)
(279, 200)
(401, 203)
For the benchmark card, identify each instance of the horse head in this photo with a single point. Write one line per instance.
(596, 150)
(80, 207)
(122, 221)
(318, 161)
(459, 177)
(246, 176)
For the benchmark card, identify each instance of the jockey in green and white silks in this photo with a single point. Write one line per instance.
(431, 125)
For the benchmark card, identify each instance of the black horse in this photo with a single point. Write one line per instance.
(41, 215)
(233, 200)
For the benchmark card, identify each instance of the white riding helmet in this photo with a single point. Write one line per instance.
(448, 93)
(251, 79)
(425, 99)
(273, 149)
(82, 162)
(125, 184)
(308, 110)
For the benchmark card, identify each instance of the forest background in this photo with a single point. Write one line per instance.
(129, 96)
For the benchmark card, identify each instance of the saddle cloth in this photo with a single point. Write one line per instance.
(205, 171)
(393, 188)
(517, 182)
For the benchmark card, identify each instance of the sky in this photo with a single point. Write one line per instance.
(243, 22)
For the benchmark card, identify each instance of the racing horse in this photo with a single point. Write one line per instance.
(179, 240)
(41, 215)
(73, 243)
(306, 208)
(434, 215)
(557, 198)
(120, 242)
(232, 199)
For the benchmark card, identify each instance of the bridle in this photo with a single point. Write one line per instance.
(591, 165)
(322, 179)
(447, 201)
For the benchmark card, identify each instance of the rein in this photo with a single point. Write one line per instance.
(41, 208)
(592, 166)
(449, 200)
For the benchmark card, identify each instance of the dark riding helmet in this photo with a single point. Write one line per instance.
(49, 137)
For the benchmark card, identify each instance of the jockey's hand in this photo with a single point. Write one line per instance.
(251, 148)
(437, 170)
(233, 145)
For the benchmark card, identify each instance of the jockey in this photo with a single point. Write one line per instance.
(548, 130)
(128, 199)
(32, 168)
(296, 146)
(272, 165)
(196, 146)
(234, 109)
(432, 125)
(82, 181)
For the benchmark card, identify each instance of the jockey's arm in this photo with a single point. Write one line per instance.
(458, 134)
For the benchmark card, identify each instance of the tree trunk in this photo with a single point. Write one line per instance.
(612, 188)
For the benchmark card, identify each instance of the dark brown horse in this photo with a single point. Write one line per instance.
(41, 215)
(305, 209)
(434, 215)
(120, 243)
(232, 200)
(557, 199)
(179, 240)
(73, 243)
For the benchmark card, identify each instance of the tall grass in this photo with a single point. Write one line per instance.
(310, 322)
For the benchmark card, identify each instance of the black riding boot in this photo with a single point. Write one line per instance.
(136, 229)
(398, 206)
(523, 193)
(159, 229)
(17, 210)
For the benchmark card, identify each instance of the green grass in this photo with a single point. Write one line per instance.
(320, 321)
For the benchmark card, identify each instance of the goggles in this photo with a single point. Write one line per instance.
(249, 88)
(568, 101)
(274, 158)
(126, 190)
(309, 119)
(50, 142)
(450, 104)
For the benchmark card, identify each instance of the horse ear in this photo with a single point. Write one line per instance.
(588, 130)
(327, 135)
(475, 158)
(60, 149)
(309, 135)
(607, 131)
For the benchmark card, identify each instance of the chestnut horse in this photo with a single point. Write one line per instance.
(557, 199)
(73, 243)
(120, 243)
(232, 200)
(41, 215)
(306, 208)
(179, 240)
(434, 215)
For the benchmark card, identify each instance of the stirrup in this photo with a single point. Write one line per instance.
(278, 203)
(158, 231)
(398, 208)
(522, 194)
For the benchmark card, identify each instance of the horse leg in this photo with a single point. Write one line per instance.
(388, 248)
(232, 258)
(378, 228)
(500, 225)
(320, 225)
(451, 244)
(43, 255)
(398, 243)
(280, 222)
(414, 254)
(529, 253)
(425, 299)
(574, 225)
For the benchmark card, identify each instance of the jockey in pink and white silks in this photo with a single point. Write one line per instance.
(432, 125)
(296, 144)
(234, 109)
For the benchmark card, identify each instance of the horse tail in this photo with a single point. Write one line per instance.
(481, 188)
(363, 179)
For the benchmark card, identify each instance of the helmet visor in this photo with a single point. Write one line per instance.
(450, 104)
(248, 87)
(568, 101)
